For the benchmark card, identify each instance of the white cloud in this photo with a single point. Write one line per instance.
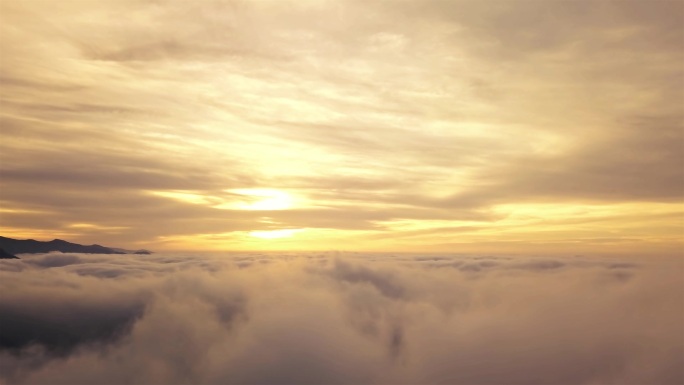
(340, 318)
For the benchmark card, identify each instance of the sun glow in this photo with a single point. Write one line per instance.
(273, 234)
(236, 199)
(263, 199)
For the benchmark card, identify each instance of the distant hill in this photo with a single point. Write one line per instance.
(31, 246)
(6, 255)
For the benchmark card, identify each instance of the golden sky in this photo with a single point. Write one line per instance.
(459, 126)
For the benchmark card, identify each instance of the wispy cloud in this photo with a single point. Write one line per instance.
(396, 111)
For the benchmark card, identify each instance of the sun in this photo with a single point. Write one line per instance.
(263, 199)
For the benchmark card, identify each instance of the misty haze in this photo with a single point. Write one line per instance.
(339, 318)
(418, 192)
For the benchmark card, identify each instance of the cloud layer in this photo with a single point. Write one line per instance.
(340, 318)
(440, 123)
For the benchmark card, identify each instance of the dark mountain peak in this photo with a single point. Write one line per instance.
(30, 246)
(6, 255)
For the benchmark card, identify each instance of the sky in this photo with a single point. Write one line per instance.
(336, 318)
(504, 127)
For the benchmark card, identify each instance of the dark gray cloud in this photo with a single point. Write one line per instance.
(384, 283)
(65, 326)
(375, 318)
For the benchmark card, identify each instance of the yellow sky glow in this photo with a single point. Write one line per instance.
(451, 126)
(264, 199)
(273, 234)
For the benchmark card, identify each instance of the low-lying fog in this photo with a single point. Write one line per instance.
(330, 318)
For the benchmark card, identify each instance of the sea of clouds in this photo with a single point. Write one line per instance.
(340, 318)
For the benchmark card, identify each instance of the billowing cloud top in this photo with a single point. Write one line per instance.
(324, 318)
(471, 125)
